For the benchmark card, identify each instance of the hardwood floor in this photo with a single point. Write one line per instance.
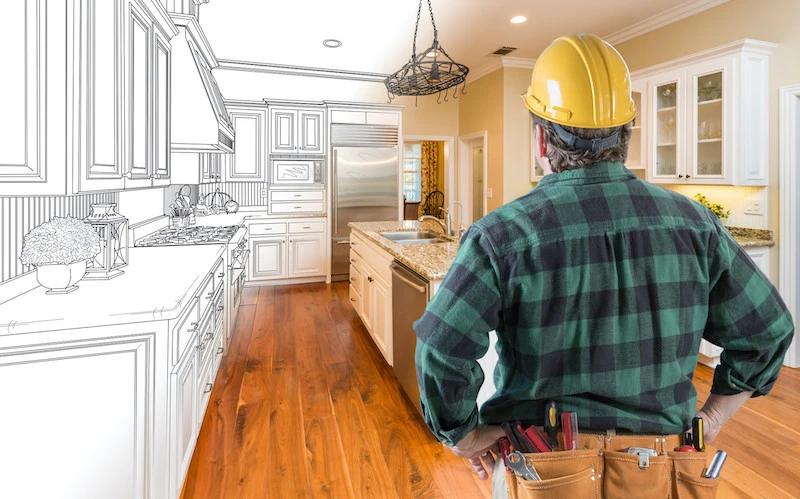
(304, 405)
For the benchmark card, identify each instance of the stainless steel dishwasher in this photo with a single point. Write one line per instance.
(410, 295)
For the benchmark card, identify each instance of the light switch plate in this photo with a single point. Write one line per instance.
(488, 192)
(753, 206)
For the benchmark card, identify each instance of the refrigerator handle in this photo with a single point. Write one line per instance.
(334, 201)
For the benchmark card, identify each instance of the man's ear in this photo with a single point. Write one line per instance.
(541, 145)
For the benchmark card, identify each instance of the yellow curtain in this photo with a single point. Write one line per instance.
(429, 166)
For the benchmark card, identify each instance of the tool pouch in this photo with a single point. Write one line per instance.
(597, 471)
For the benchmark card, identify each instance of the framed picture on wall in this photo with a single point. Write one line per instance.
(536, 170)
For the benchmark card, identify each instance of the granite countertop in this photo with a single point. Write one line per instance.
(752, 238)
(157, 284)
(432, 261)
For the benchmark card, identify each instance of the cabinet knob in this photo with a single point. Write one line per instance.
(352, 279)
(352, 260)
(209, 336)
(688, 176)
(210, 295)
(680, 176)
(352, 299)
(155, 175)
(220, 350)
(128, 175)
(209, 386)
(370, 279)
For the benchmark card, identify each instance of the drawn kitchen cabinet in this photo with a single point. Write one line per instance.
(249, 159)
(211, 167)
(83, 409)
(267, 258)
(297, 131)
(184, 419)
(196, 168)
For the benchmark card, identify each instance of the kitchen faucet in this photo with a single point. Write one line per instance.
(445, 228)
(447, 225)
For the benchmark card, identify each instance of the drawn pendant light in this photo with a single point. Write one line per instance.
(428, 72)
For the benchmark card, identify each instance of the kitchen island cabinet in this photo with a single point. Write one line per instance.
(106, 395)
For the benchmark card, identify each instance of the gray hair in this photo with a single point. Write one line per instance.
(562, 157)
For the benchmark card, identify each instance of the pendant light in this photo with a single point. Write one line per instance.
(428, 72)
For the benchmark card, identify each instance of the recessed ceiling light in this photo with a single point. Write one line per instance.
(331, 43)
(518, 19)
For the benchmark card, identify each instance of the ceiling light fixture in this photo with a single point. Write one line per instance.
(428, 72)
(518, 19)
(332, 43)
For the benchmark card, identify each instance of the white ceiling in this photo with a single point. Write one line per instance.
(377, 35)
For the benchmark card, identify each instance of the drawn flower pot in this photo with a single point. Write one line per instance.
(61, 278)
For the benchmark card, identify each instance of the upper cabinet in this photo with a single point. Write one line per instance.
(105, 125)
(248, 163)
(297, 130)
(704, 118)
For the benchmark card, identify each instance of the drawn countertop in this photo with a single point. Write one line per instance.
(432, 261)
(157, 283)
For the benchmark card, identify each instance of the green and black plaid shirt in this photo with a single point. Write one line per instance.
(600, 287)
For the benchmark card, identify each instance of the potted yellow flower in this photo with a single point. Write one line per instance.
(59, 250)
(715, 208)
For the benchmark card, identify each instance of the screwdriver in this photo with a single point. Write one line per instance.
(569, 429)
(698, 439)
(551, 423)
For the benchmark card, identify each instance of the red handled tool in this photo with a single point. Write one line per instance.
(534, 439)
(569, 430)
(505, 450)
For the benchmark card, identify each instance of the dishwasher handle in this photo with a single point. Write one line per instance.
(399, 275)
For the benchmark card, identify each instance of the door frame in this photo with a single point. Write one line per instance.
(449, 160)
(788, 184)
(464, 181)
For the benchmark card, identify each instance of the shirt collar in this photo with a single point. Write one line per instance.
(604, 171)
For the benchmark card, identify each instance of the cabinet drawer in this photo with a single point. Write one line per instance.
(356, 279)
(217, 274)
(383, 119)
(205, 338)
(205, 382)
(299, 207)
(355, 300)
(184, 333)
(378, 262)
(303, 227)
(272, 228)
(295, 195)
(205, 295)
(219, 350)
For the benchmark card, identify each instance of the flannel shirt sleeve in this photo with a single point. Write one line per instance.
(452, 334)
(748, 319)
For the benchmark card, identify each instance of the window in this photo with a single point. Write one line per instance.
(412, 159)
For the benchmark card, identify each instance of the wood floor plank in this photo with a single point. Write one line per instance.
(304, 405)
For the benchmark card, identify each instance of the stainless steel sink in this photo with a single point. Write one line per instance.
(415, 237)
(402, 235)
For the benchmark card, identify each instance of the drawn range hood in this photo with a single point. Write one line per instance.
(200, 122)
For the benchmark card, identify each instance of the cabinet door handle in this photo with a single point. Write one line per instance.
(298, 195)
(352, 260)
(370, 279)
(220, 350)
(209, 386)
(221, 275)
(307, 228)
(209, 336)
(298, 207)
(688, 176)
(680, 176)
(128, 175)
(220, 308)
(352, 299)
(352, 279)
(210, 295)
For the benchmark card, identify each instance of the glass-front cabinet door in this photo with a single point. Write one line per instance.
(667, 124)
(637, 147)
(710, 154)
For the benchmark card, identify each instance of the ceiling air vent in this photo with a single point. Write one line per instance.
(504, 50)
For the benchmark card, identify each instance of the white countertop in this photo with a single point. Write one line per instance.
(157, 283)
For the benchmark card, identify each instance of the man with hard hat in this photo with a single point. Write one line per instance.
(599, 286)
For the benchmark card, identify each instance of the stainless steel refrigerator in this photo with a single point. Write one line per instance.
(365, 185)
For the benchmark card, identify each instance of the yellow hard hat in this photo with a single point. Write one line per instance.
(581, 81)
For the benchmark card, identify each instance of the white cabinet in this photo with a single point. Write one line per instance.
(297, 130)
(307, 202)
(287, 249)
(267, 258)
(249, 159)
(88, 87)
(706, 116)
(371, 292)
(196, 168)
(183, 422)
(81, 406)
(637, 146)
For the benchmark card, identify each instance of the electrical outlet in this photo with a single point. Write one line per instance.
(753, 206)
(263, 192)
(488, 192)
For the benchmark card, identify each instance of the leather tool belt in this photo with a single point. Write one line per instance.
(601, 468)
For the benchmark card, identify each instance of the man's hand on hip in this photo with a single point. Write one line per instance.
(477, 446)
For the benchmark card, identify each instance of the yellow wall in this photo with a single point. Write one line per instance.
(768, 20)
(516, 136)
(426, 117)
(481, 108)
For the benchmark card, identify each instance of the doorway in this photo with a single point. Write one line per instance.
(789, 236)
(445, 177)
(472, 176)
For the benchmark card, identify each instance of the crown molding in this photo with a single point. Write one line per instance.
(283, 69)
(501, 62)
(661, 19)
